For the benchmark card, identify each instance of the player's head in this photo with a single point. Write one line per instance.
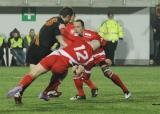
(66, 14)
(79, 26)
(73, 17)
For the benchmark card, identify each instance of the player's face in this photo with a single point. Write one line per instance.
(78, 28)
(72, 18)
(67, 18)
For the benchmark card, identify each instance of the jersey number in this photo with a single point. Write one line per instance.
(51, 21)
(81, 53)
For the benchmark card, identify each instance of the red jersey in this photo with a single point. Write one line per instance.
(69, 34)
(70, 28)
(88, 35)
(92, 35)
(80, 52)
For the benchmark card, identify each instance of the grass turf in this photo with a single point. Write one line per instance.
(143, 82)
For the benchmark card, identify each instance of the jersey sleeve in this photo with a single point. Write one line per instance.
(100, 39)
(67, 35)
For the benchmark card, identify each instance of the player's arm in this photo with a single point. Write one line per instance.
(100, 39)
(61, 40)
(95, 44)
(59, 37)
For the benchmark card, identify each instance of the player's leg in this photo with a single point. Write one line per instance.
(27, 79)
(54, 92)
(18, 97)
(44, 65)
(86, 79)
(60, 66)
(78, 81)
(114, 77)
(52, 89)
(32, 59)
(79, 86)
(53, 86)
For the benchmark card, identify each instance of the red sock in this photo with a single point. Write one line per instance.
(115, 78)
(79, 85)
(86, 79)
(89, 83)
(26, 80)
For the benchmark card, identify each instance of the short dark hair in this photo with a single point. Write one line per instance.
(81, 21)
(66, 11)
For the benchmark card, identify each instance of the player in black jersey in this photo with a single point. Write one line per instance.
(48, 35)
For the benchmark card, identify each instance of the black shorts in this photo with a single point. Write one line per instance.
(36, 53)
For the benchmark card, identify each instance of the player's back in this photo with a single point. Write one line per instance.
(79, 52)
(49, 31)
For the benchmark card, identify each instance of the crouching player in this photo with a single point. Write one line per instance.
(99, 59)
(80, 52)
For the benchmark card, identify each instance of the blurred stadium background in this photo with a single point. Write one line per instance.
(137, 49)
(134, 15)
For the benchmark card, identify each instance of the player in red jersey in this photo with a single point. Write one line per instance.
(80, 53)
(51, 90)
(100, 59)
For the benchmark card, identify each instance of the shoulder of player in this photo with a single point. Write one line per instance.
(59, 19)
(54, 21)
(69, 25)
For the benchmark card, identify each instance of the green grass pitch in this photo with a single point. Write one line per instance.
(143, 82)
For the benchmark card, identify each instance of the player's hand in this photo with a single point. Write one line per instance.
(108, 62)
(78, 69)
(61, 26)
